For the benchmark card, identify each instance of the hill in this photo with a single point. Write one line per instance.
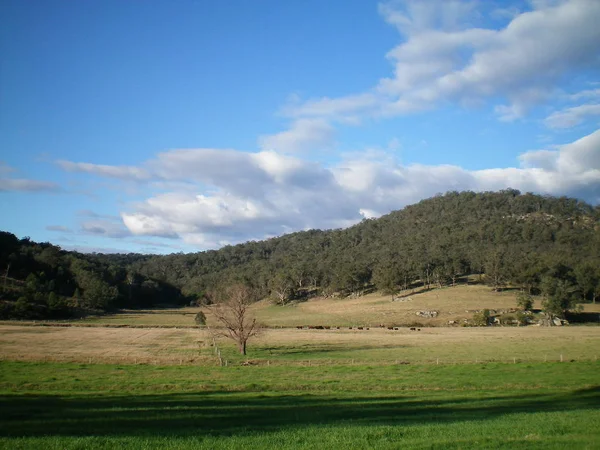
(537, 243)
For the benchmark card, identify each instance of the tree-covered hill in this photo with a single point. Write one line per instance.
(535, 242)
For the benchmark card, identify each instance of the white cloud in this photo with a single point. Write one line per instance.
(120, 172)
(290, 194)
(304, 135)
(332, 107)
(588, 93)
(445, 57)
(570, 117)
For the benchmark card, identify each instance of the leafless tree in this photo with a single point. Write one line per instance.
(233, 316)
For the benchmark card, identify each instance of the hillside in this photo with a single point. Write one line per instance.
(512, 238)
(523, 240)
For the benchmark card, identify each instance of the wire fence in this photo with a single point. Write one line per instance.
(217, 359)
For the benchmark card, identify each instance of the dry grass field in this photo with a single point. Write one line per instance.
(374, 309)
(283, 343)
(293, 346)
(452, 303)
(109, 345)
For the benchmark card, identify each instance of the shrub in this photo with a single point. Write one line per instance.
(524, 301)
(522, 318)
(482, 318)
(200, 319)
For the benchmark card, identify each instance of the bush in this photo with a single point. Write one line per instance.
(200, 319)
(481, 319)
(522, 318)
(524, 301)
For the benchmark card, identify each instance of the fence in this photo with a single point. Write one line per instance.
(218, 360)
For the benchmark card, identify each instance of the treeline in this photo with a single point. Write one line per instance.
(535, 242)
(41, 281)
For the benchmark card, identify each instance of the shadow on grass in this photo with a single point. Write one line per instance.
(308, 351)
(232, 413)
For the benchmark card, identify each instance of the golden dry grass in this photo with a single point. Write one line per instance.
(292, 346)
(452, 303)
(147, 317)
(99, 344)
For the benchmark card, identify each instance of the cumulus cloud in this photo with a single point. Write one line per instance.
(210, 197)
(445, 57)
(264, 194)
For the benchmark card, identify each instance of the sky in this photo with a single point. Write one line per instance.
(162, 127)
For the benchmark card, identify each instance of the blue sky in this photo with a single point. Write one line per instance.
(181, 126)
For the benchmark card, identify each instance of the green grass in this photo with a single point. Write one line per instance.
(52, 405)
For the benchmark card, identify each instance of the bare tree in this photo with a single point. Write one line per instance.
(232, 314)
(282, 286)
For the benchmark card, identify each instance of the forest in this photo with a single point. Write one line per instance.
(540, 244)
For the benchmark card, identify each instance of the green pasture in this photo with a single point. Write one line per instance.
(495, 405)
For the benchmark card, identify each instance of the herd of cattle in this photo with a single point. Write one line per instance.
(321, 327)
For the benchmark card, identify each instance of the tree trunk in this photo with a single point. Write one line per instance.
(6, 276)
(243, 348)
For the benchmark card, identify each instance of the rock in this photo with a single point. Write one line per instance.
(427, 314)
(557, 322)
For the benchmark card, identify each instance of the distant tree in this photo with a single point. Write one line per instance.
(233, 315)
(524, 301)
(282, 288)
(385, 277)
(588, 280)
(496, 269)
(559, 296)
(98, 294)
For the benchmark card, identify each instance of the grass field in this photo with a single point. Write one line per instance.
(301, 347)
(62, 406)
(441, 387)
